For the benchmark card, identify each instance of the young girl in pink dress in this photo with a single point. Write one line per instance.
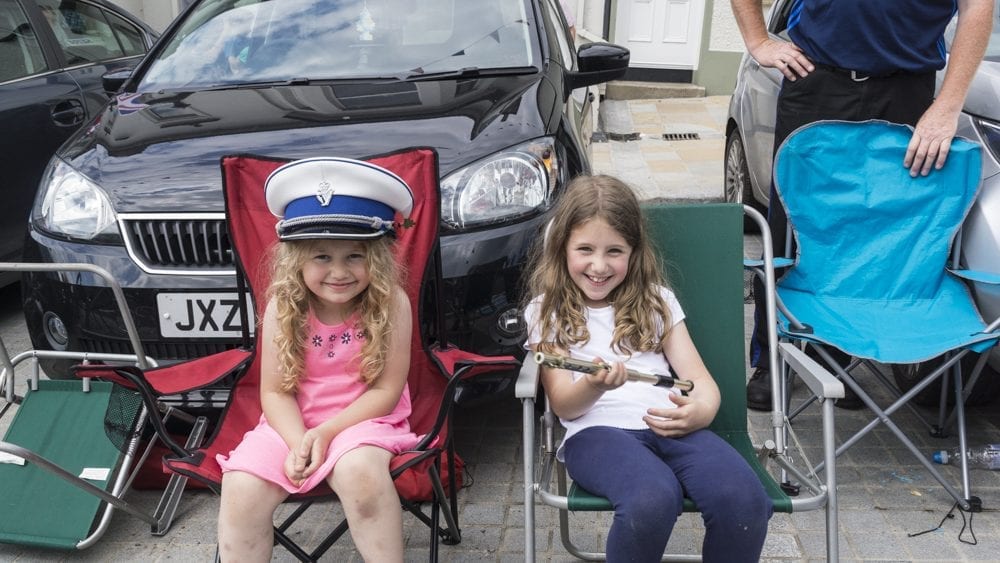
(335, 354)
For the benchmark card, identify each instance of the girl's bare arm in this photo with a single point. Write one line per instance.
(696, 410)
(571, 399)
(280, 408)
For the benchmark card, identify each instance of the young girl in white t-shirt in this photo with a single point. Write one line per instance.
(599, 295)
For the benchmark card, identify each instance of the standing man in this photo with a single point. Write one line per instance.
(855, 60)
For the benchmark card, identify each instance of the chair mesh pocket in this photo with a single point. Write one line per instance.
(120, 417)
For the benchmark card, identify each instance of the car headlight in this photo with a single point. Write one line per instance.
(513, 183)
(70, 205)
(990, 131)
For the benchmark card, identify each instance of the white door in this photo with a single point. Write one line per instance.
(660, 33)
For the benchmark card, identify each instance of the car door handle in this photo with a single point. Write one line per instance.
(68, 113)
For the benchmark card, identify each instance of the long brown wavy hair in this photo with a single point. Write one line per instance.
(641, 315)
(292, 299)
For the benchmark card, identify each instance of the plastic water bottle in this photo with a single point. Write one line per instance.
(982, 457)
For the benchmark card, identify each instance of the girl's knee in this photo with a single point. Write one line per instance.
(654, 502)
(246, 497)
(239, 485)
(362, 476)
(739, 506)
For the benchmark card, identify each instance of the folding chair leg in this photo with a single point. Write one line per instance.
(167, 507)
(452, 533)
(296, 551)
(882, 416)
(282, 539)
(435, 521)
(975, 504)
(330, 539)
(451, 513)
(830, 456)
(564, 525)
(528, 445)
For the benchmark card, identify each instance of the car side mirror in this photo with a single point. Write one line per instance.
(596, 63)
(112, 81)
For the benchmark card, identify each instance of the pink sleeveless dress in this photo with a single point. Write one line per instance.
(331, 382)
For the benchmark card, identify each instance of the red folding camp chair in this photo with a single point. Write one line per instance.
(436, 369)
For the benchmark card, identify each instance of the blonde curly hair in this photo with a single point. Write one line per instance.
(641, 314)
(292, 299)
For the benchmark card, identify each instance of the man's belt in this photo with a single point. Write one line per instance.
(859, 75)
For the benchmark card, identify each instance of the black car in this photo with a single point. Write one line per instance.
(492, 85)
(52, 56)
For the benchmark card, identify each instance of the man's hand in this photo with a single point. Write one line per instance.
(931, 140)
(784, 56)
(688, 416)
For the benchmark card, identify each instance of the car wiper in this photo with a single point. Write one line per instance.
(255, 85)
(418, 74)
(298, 82)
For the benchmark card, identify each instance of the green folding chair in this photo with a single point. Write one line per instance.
(702, 247)
(72, 447)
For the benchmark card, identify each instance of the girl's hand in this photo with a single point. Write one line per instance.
(689, 415)
(311, 451)
(607, 379)
(294, 466)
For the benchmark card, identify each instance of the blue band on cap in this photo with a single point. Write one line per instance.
(339, 205)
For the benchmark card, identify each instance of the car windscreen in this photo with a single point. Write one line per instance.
(232, 42)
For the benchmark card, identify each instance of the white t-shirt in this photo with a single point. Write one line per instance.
(625, 406)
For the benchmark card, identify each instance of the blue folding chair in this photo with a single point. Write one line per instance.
(871, 273)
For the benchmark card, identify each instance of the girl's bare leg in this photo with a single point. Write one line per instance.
(246, 517)
(362, 482)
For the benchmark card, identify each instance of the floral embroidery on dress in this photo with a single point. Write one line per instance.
(333, 340)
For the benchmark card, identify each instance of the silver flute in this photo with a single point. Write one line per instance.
(583, 366)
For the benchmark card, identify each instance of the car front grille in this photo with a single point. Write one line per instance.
(190, 243)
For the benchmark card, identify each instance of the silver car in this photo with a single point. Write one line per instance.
(749, 146)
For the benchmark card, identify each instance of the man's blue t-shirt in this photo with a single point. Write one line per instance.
(873, 36)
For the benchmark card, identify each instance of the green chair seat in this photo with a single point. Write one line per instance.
(64, 425)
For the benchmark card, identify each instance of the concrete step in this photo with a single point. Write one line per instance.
(634, 90)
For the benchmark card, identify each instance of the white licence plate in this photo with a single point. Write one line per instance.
(203, 315)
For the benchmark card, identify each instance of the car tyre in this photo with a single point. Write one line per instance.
(985, 390)
(57, 369)
(737, 185)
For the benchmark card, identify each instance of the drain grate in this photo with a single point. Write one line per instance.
(624, 136)
(681, 137)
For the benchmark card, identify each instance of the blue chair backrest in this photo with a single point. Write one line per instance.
(853, 205)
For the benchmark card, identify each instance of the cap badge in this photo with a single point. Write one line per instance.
(324, 193)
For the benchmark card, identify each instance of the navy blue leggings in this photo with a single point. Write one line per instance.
(646, 476)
